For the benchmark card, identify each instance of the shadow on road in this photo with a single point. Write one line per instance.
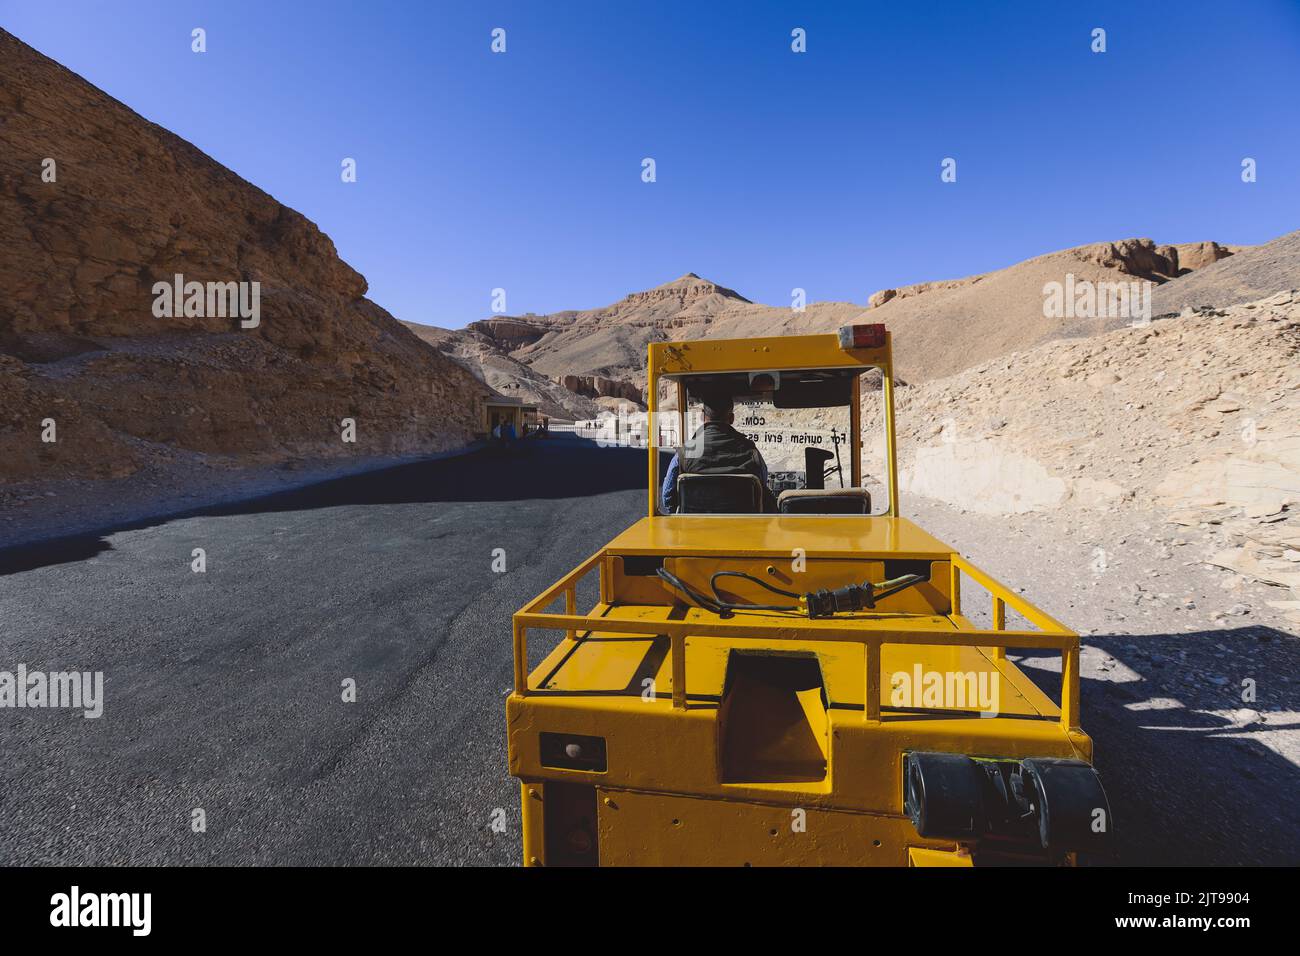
(561, 466)
(1189, 786)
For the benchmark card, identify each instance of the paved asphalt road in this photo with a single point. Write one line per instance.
(223, 689)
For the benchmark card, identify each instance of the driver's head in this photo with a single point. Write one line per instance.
(718, 408)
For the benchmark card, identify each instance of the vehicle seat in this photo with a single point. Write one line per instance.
(825, 501)
(719, 494)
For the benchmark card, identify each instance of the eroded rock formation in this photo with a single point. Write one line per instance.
(97, 205)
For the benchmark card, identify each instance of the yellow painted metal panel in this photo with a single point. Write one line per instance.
(771, 353)
(618, 665)
(652, 455)
(925, 856)
(891, 442)
(653, 747)
(530, 801)
(639, 829)
(820, 536)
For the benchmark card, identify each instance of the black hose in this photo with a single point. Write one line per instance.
(713, 584)
(705, 602)
(748, 577)
(724, 608)
(718, 606)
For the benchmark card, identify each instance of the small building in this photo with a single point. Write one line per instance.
(500, 408)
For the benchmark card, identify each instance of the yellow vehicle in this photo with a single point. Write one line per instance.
(792, 688)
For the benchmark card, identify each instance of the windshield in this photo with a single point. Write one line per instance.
(804, 453)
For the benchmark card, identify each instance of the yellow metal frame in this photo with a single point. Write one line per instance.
(654, 803)
(1052, 635)
(674, 360)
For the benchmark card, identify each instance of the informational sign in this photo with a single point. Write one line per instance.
(781, 443)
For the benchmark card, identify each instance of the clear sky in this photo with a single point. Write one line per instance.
(775, 169)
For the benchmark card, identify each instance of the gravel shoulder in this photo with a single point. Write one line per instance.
(1189, 679)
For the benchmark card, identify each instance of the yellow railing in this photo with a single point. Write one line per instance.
(1052, 635)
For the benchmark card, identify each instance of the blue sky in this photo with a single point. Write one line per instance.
(819, 170)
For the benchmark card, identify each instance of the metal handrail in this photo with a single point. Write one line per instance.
(1052, 635)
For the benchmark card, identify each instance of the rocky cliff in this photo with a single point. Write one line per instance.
(489, 361)
(595, 386)
(1250, 273)
(99, 210)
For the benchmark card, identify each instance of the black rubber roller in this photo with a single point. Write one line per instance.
(1072, 810)
(944, 795)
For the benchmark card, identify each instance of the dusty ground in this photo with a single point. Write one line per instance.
(1196, 772)
(1129, 573)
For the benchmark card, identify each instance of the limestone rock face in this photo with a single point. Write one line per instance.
(1198, 255)
(888, 295)
(508, 333)
(81, 343)
(942, 327)
(988, 475)
(610, 342)
(486, 359)
(1249, 274)
(1195, 416)
(596, 386)
(601, 352)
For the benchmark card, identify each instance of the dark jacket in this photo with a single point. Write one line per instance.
(715, 449)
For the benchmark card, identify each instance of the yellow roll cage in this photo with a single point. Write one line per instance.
(797, 353)
(673, 361)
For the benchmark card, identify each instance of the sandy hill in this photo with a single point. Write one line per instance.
(131, 205)
(942, 327)
(1251, 274)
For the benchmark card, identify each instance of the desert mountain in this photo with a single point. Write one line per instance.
(941, 328)
(1250, 274)
(1200, 410)
(611, 341)
(97, 205)
(602, 351)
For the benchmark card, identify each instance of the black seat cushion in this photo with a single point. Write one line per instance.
(719, 494)
(830, 501)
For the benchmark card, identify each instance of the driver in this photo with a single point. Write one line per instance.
(717, 449)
